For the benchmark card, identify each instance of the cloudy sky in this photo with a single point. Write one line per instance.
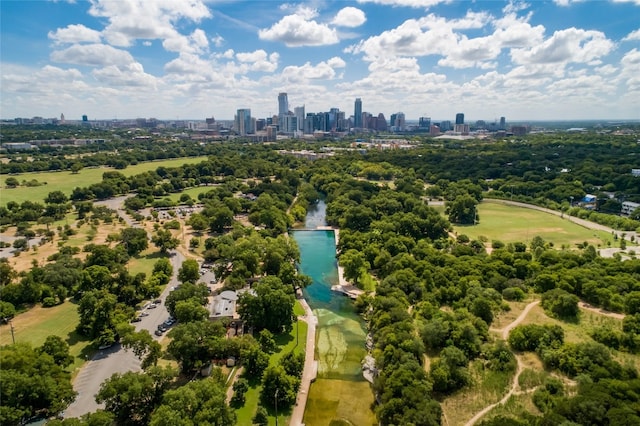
(191, 59)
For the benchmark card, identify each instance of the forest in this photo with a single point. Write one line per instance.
(434, 295)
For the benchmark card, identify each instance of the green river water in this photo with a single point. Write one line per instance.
(340, 395)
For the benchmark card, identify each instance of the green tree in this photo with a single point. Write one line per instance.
(275, 381)
(32, 383)
(58, 349)
(463, 209)
(271, 307)
(255, 361)
(267, 342)
(7, 273)
(354, 264)
(199, 402)
(193, 344)
(143, 346)
(189, 272)
(561, 303)
(132, 397)
(134, 240)
(164, 240)
(12, 182)
(261, 418)
(190, 310)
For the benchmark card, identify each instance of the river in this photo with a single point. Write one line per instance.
(340, 395)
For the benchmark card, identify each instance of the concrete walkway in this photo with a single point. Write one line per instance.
(310, 365)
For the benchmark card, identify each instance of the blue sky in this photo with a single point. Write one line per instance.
(191, 59)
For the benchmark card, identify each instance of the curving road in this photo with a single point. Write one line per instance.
(107, 362)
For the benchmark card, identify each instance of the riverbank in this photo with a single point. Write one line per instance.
(343, 285)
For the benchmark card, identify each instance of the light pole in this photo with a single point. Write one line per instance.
(13, 338)
(277, 406)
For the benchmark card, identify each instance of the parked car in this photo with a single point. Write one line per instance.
(162, 327)
(136, 319)
(144, 314)
(158, 333)
(158, 301)
(152, 306)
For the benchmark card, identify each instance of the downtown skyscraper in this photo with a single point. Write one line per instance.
(283, 104)
(357, 114)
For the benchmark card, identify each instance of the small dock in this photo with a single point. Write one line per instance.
(347, 290)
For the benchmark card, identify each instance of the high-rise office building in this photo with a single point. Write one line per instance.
(424, 123)
(299, 113)
(459, 118)
(243, 122)
(357, 114)
(503, 123)
(283, 104)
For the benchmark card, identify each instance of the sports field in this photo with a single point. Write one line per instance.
(511, 224)
(66, 181)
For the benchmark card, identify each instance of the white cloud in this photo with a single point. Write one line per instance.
(131, 75)
(324, 70)
(630, 74)
(512, 31)
(633, 35)
(92, 55)
(298, 30)
(218, 40)
(197, 42)
(627, 1)
(77, 33)
(141, 19)
(259, 60)
(349, 17)
(570, 45)
(407, 3)
(336, 62)
(515, 6)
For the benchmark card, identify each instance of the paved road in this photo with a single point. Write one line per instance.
(310, 366)
(115, 359)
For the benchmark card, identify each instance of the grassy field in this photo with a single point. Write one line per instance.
(517, 224)
(66, 181)
(37, 323)
(487, 388)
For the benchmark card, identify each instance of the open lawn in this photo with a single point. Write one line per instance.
(66, 181)
(37, 323)
(144, 262)
(511, 224)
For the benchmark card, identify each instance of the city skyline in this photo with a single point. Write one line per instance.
(560, 59)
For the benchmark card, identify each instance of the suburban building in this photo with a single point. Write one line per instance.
(628, 207)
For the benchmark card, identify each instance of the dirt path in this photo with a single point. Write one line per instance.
(514, 384)
(599, 311)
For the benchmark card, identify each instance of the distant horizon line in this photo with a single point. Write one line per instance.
(467, 121)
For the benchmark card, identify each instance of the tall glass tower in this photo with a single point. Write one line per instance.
(459, 118)
(357, 114)
(283, 104)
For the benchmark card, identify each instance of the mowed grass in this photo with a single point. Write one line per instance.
(35, 325)
(511, 224)
(66, 181)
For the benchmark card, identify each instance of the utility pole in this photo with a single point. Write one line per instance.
(13, 337)
(277, 406)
